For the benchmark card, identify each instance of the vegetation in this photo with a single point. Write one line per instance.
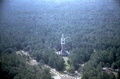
(48, 56)
(15, 67)
(100, 59)
(91, 30)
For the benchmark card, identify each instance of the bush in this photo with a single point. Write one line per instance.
(114, 65)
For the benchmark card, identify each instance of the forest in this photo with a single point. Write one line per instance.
(14, 66)
(91, 29)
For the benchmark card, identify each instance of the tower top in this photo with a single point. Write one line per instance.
(62, 35)
(62, 39)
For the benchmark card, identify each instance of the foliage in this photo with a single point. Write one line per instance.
(80, 55)
(71, 69)
(99, 60)
(87, 26)
(45, 74)
(68, 61)
(49, 57)
(114, 65)
(15, 67)
(118, 77)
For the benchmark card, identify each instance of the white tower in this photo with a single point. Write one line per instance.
(62, 43)
(63, 52)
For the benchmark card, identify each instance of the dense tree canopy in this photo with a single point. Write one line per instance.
(91, 29)
(99, 60)
(14, 66)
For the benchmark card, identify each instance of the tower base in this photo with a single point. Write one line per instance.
(64, 53)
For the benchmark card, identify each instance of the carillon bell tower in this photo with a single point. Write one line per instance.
(63, 52)
(62, 43)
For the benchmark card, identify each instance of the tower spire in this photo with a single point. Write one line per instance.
(62, 35)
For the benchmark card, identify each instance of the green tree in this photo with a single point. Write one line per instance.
(112, 76)
(118, 76)
(41, 63)
(85, 76)
(60, 64)
(92, 73)
(107, 64)
(14, 66)
(71, 69)
(45, 74)
(118, 64)
(114, 65)
(68, 61)
(99, 67)
(103, 75)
